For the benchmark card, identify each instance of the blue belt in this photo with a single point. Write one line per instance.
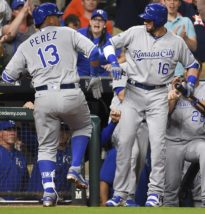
(146, 87)
(62, 86)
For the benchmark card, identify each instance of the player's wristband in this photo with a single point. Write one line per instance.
(118, 89)
(192, 79)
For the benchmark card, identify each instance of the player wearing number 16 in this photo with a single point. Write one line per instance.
(50, 56)
(152, 53)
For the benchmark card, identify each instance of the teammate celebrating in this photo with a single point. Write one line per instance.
(50, 56)
(152, 53)
(184, 141)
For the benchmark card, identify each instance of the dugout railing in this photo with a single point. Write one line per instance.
(77, 197)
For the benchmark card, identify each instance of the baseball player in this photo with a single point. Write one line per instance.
(50, 56)
(13, 166)
(184, 141)
(152, 53)
(138, 155)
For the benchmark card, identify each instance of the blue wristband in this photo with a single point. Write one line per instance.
(192, 79)
(118, 89)
(112, 59)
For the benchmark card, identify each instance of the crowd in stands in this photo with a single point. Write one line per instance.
(98, 22)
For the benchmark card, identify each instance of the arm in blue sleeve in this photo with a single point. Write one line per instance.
(94, 62)
(106, 133)
(94, 55)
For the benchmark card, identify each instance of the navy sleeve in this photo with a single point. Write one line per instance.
(107, 132)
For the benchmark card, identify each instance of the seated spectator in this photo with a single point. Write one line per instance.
(72, 21)
(181, 26)
(84, 9)
(13, 166)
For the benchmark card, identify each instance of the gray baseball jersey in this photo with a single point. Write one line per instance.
(185, 122)
(50, 56)
(152, 61)
(184, 141)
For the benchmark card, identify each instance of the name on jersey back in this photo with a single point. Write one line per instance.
(42, 38)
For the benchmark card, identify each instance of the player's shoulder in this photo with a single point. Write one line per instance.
(139, 28)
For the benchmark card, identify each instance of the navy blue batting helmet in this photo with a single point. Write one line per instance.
(42, 11)
(155, 12)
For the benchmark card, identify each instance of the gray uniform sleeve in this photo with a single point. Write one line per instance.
(122, 39)
(16, 65)
(82, 43)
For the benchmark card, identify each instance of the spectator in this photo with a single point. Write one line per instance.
(72, 21)
(22, 29)
(181, 26)
(184, 141)
(13, 166)
(84, 9)
(97, 33)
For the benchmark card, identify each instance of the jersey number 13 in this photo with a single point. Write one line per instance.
(53, 55)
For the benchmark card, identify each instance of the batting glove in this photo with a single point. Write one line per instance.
(95, 85)
(190, 89)
(116, 71)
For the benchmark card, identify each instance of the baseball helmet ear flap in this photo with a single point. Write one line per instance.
(155, 12)
(42, 11)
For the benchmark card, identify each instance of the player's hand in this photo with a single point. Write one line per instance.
(29, 105)
(176, 80)
(115, 115)
(174, 95)
(183, 33)
(190, 89)
(116, 71)
(107, 67)
(95, 85)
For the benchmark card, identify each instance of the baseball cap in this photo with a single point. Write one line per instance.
(7, 124)
(16, 3)
(100, 13)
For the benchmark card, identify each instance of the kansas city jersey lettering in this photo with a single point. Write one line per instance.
(43, 38)
(165, 53)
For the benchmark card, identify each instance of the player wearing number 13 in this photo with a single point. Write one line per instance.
(50, 56)
(152, 53)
